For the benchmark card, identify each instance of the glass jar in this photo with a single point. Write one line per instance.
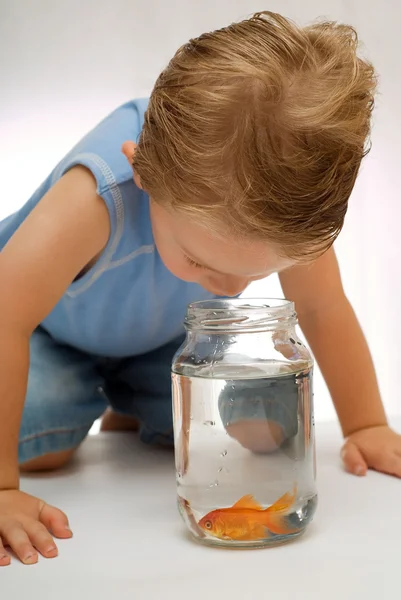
(243, 424)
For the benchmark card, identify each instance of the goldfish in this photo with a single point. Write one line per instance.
(246, 520)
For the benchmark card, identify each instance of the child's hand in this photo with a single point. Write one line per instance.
(25, 523)
(377, 448)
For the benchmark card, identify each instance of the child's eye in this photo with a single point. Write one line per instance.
(193, 263)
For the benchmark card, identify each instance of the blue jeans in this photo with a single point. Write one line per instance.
(68, 390)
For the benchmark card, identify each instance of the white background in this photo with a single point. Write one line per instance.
(65, 65)
(129, 542)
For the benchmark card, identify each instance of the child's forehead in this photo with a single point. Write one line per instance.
(218, 247)
(236, 257)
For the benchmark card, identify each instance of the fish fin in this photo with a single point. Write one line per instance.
(247, 502)
(276, 514)
(284, 503)
(279, 525)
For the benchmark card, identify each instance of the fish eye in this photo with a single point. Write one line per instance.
(208, 524)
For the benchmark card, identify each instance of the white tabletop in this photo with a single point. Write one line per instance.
(129, 541)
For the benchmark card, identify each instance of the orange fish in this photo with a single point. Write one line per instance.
(246, 520)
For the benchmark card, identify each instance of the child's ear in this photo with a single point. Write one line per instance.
(128, 149)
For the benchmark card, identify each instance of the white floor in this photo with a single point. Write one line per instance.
(129, 541)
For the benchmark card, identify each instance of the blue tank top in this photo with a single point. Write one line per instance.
(128, 303)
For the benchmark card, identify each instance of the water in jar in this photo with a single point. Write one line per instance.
(244, 442)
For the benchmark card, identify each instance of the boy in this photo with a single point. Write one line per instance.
(247, 154)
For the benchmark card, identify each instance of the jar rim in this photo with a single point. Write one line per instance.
(239, 312)
(250, 304)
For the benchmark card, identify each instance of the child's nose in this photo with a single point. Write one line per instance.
(229, 287)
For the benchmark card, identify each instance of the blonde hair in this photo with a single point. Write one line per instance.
(261, 127)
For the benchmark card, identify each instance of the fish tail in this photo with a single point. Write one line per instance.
(284, 503)
(276, 516)
(279, 525)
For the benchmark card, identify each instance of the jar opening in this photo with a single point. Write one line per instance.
(240, 314)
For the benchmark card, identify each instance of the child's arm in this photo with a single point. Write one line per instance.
(337, 341)
(65, 231)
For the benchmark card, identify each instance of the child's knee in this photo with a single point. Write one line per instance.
(260, 414)
(257, 436)
(48, 462)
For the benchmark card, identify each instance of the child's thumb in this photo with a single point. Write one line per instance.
(55, 521)
(353, 460)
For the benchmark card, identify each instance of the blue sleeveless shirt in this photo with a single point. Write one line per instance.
(128, 303)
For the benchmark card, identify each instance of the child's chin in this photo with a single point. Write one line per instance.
(260, 437)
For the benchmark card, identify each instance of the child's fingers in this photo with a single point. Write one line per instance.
(55, 521)
(4, 557)
(353, 460)
(41, 538)
(15, 536)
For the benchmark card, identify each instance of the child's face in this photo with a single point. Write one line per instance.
(224, 267)
(192, 253)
